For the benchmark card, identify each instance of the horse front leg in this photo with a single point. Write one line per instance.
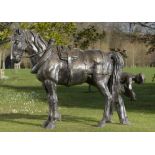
(53, 114)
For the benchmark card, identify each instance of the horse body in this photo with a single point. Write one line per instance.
(83, 69)
(64, 66)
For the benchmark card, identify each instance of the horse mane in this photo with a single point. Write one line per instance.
(122, 52)
(42, 45)
(36, 39)
(39, 41)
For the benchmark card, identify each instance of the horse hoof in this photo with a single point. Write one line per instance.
(110, 121)
(58, 117)
(49, 125)
(101, 124)
(125, 122)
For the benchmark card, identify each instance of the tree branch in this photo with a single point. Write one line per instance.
(5, 41)
(147, 26)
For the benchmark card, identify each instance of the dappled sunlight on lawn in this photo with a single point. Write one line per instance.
(24, 107)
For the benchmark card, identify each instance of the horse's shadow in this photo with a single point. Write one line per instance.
(17, 118)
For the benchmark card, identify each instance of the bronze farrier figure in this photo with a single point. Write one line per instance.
(127, 80)
(59, 65)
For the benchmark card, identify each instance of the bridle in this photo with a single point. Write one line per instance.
(28, 42)
(33, 55)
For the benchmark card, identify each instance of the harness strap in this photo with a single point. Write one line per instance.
(42, 60)
(70, 61)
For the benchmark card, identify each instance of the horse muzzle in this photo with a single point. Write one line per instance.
(16, 59)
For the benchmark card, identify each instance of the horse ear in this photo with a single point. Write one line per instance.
(18, 31)
(51, 42)
(70, 47)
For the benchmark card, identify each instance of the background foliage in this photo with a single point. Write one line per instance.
(137, 38)
(24, 107)
(61, 32)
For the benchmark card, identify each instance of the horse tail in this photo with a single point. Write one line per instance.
(118, 64)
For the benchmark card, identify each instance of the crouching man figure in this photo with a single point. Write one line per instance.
(126, 80)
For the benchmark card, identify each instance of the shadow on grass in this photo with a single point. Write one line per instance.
(78, 97)
(17, 118)
(79, 119)
(29, 119)
(21, 88)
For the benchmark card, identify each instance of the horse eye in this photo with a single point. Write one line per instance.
(16, 42)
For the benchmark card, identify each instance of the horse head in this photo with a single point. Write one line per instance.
(19, 45)
(24, 40)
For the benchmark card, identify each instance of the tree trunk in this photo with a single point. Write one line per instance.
(1, 71)
(2, 74)
(2, 66)
(17, 65)
(3, 61)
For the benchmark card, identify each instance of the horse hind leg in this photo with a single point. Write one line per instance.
(53, 115)
(121, 111)
(110, 114)
(102, 85)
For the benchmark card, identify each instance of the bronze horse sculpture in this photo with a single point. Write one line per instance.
(59, 65)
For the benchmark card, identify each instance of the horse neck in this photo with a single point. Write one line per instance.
(37, 47)
(34, 56)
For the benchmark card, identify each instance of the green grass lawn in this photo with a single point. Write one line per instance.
(23, 105)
